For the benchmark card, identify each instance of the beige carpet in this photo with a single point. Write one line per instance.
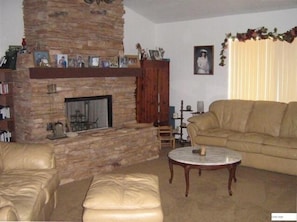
(256, 194)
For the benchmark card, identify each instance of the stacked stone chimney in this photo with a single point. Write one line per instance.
(76, 28)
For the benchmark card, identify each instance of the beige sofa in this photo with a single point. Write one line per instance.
(264, 132)
(28, 182)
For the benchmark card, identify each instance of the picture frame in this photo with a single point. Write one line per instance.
(109, 62)
(155, 54)
(123, 61)
(41, 58)
(105, 62)
(79, 61)
(94, 61)
(203, 60)
(114, 62)
(62, 60)
(132, 61)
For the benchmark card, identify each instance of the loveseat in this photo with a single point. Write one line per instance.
(264, 132)
(28, 182)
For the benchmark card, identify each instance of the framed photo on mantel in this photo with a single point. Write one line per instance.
(41, 58)
(203, 60)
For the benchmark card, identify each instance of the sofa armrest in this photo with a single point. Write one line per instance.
(27, 156)
(205, 121)
(7, 210)
(8, 213)
(201, 122)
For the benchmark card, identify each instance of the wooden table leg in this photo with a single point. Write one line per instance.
(171, 170)
(187, 172)
(232, 170)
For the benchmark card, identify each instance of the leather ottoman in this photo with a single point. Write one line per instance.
(119, 197)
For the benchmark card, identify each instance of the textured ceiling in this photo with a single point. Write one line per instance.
(164, 11)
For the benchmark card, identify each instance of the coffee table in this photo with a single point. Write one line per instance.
(215, 158)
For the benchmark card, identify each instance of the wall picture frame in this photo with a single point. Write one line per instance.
(41, 58)
(203, 60)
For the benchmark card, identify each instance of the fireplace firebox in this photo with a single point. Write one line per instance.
(86, 113)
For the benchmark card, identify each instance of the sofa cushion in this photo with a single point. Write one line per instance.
(26, 156)
(289, 123)
(282, 152)
(232, 114)
(266, 117)
(47, 178)
(281, 142)
(1, 164)
(246, 142)
(215, 137)
(26, 195)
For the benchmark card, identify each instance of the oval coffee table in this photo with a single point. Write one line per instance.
(215, 158)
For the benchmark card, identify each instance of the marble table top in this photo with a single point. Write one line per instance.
(214, 156)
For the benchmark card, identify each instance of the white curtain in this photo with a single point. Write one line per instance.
(263, 70)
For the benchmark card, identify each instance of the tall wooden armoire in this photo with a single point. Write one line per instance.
(152, 93)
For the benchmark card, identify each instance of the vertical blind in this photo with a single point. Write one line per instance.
(263, 70)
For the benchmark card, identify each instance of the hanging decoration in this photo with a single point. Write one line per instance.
(257, 34)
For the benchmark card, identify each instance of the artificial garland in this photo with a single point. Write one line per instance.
(257, 34)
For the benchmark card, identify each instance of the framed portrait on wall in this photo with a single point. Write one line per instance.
(203, 60)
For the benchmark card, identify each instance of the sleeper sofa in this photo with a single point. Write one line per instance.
(28, 182)
(264, 132)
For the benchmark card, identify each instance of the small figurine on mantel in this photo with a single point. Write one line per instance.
(24, 46)
(161, 52)
(140, 51)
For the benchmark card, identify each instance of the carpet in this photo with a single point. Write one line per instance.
(256, 194)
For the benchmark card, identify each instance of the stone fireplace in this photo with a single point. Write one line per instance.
(85, 31)
(94, 151)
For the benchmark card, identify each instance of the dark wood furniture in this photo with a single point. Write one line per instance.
(152, 93)
(6, 106)
(53, 73)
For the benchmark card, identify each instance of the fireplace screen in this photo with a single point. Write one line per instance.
(85, 113)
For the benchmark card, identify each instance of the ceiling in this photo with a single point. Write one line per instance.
(165, 11)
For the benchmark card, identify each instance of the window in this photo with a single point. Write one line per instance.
(263, 70)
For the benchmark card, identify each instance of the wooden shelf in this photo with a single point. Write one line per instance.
(53, 73)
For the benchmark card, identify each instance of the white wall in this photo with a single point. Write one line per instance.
(137, 29)
(178, 39)
(11, 24)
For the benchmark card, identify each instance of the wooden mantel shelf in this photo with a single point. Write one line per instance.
(53, 73)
